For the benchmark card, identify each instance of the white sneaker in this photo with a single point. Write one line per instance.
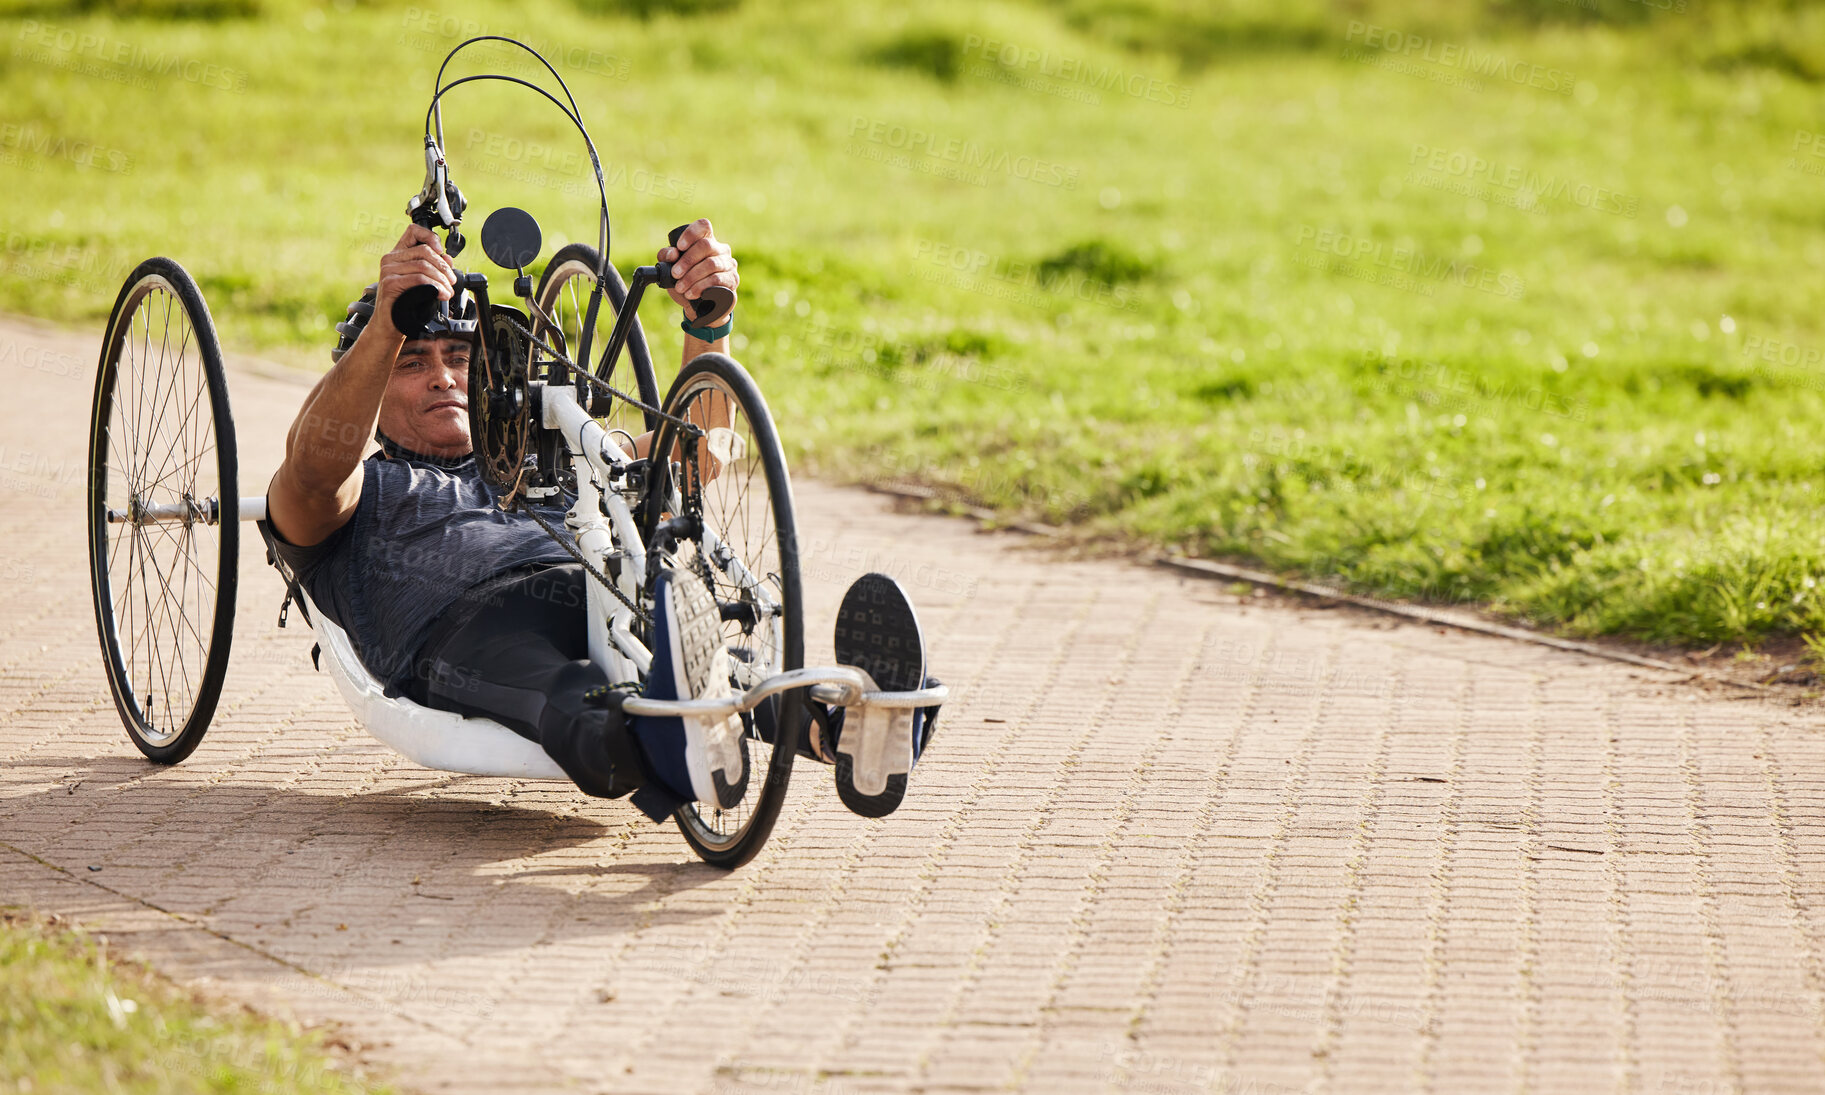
(690, 661)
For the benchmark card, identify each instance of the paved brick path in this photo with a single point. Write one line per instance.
(1169, 841)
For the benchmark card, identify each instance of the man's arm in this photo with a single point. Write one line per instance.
(703, 261)
(318, 485)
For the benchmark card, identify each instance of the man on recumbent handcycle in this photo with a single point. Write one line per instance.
(458, 605)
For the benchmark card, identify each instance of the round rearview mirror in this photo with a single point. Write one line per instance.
(510, 238)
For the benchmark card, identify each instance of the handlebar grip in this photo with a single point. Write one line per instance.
(716, 301)
(413, 309)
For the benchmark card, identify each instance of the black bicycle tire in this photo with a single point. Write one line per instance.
(753, 834)
(209, 687)
(646, 381)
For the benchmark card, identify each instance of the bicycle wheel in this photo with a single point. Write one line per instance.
(734, 480)
(564, 290)
(163, 511)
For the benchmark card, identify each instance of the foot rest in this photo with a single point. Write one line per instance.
(839, 696)
(837, 685)
(845, 680)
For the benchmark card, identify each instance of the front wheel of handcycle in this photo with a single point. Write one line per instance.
(163, 511)
(732, 480)
(563, 297)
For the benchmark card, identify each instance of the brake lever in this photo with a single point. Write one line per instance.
(439, 203)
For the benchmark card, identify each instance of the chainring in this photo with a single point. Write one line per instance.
(500, 404)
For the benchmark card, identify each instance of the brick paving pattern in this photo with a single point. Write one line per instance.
(1167, 841)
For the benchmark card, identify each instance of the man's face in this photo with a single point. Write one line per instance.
(426, 407)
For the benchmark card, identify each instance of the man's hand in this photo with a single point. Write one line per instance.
(417, 259)
(698, 262)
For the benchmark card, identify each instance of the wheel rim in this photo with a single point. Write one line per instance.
(566, 300)
(738, 507)
(158, 579)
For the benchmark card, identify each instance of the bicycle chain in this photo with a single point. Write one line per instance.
(588, 567)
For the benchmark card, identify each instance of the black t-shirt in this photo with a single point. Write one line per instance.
(424, 532)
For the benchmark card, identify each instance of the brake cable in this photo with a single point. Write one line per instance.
(689, 427)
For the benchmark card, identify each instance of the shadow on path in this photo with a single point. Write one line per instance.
(405, 875)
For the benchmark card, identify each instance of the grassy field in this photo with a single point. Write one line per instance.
(72, 1021)
(1516, 304)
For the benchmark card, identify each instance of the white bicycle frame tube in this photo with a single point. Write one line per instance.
(597, 459)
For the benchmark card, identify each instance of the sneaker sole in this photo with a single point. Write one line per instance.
(713, 747)
(878, 632)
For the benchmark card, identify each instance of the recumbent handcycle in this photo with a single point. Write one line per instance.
(712, 494)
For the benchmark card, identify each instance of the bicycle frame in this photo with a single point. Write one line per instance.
(604, 525)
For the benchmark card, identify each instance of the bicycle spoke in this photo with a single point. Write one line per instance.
(170, 596)
(184, 430)
(188, 464)
(183, 613)
(149, 629)
(173, 439)
(146, 410)
(124, 611)
(176, 377)
(138, 431)
(161, 393)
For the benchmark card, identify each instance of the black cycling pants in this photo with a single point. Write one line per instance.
(515, 649)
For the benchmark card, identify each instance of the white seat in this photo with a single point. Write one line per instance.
(436, 739)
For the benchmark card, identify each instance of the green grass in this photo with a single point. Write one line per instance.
(1132, 319)
(73, 1021)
